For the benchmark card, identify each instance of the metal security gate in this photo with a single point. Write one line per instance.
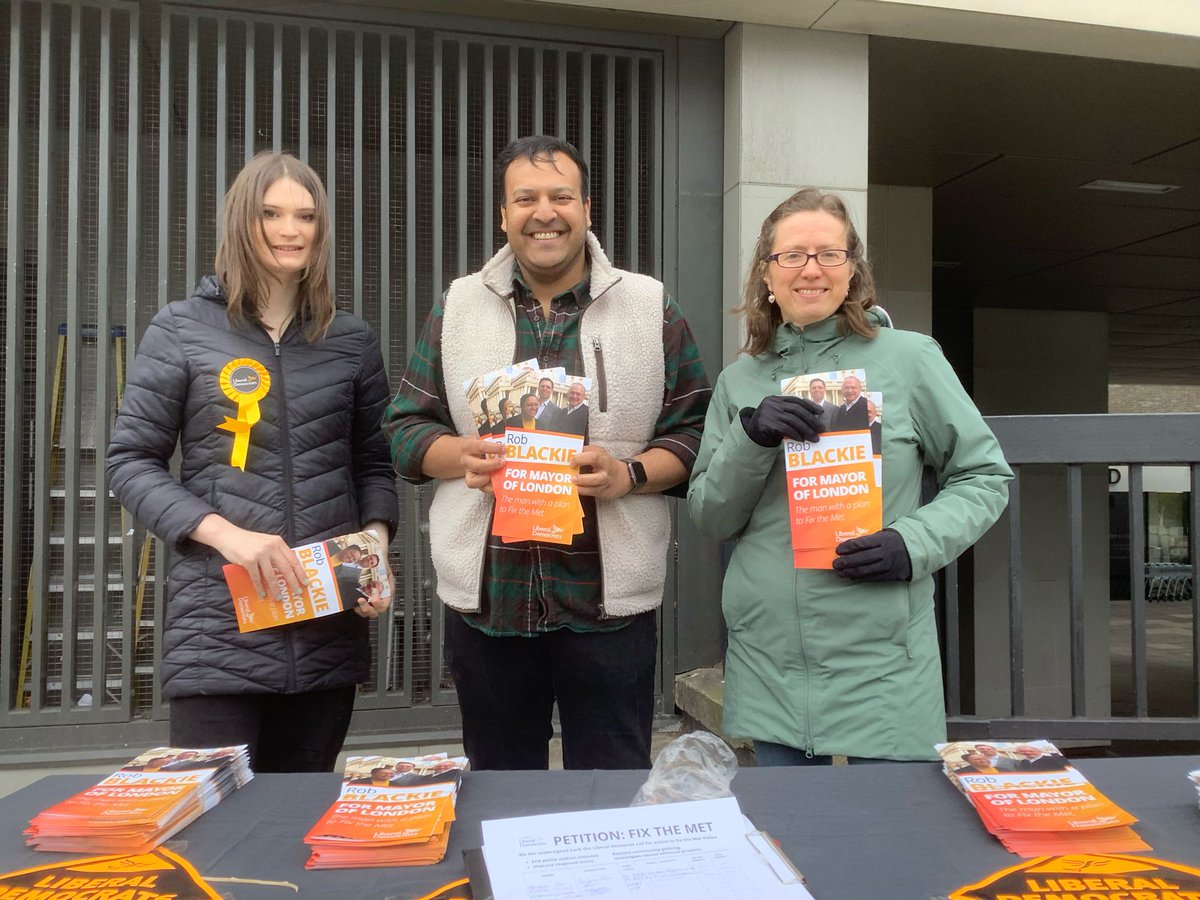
(124, 123)
(74, 649)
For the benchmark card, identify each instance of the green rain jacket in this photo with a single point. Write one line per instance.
(816, 661)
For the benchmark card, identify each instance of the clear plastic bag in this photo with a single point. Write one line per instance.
(695, 766)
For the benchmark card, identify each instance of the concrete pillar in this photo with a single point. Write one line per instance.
(795, 115)
(900, 243)
(1033, 362)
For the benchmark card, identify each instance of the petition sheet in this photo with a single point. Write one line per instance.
(701, 850)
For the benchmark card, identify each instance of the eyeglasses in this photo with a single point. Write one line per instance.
(798, 259)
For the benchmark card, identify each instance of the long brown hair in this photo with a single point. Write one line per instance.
(246, 282)
(764, 317)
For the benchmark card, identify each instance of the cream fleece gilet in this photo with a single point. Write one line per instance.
(621, 341)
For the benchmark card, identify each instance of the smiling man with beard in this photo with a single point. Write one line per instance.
(532, 624)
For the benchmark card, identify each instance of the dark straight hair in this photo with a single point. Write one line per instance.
(540, 148)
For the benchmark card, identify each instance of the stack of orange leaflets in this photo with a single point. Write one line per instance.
(535, 497)
(340, 572)
(143, 803)
(536, 500)
(1036, 802)
(390, 812)
(834, 485)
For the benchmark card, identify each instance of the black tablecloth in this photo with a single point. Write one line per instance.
(875, 832)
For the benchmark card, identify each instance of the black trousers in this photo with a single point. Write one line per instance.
(285, 732)
(603, 683)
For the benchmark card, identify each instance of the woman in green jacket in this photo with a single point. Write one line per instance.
(845, 661)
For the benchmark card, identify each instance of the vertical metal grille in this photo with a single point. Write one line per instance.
(70, 644)
(605, 101)
(123, 126)
(339, 96)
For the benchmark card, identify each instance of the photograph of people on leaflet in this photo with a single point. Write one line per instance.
(360, 569)
(839, 395)
(548, 411)
(526, 416)
(574, 419)
(817, 393)
(495, 422)
(851, 414)
(875, 420)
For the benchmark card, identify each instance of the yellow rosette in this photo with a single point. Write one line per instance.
(245, 382)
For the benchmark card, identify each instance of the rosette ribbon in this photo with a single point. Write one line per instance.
(245, 382)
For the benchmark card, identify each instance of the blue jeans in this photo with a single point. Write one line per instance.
(769, 754)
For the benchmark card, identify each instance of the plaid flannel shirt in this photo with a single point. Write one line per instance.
(531, 587)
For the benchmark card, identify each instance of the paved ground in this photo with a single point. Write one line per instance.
(1170, 680)
(1171, 690)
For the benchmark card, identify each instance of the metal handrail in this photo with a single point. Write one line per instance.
(1071, 444)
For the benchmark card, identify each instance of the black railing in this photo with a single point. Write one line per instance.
(1072, 444)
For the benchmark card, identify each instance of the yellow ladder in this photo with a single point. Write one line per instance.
(118, 337)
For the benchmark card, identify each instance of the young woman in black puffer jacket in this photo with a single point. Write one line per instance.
(274, 399)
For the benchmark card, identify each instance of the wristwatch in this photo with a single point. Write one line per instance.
(637, 473)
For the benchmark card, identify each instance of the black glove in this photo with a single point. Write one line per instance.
(779, 417)
(881, 556)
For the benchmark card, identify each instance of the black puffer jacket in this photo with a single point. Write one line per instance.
(317, 466)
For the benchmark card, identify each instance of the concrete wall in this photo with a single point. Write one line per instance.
(774, 140)
(697, 575)
(1035, 362)
(900, 243)
(1162, 32)
(1154, 398)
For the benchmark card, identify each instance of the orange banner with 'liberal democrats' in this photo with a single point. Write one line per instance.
(833, 494)
(535, 497)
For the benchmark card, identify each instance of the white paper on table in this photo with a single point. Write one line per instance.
(672, 851)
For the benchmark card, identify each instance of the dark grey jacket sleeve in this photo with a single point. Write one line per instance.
(146, 432)
(374, 477)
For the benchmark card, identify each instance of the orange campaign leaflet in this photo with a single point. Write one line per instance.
(391, 812)
(150, 798)
(1042, 801)
(1028, 786)
(535, 497)
(125, 797)
(368, 815)
(833, 494)
(834, 484)
(339, 572)
(1030, 797)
